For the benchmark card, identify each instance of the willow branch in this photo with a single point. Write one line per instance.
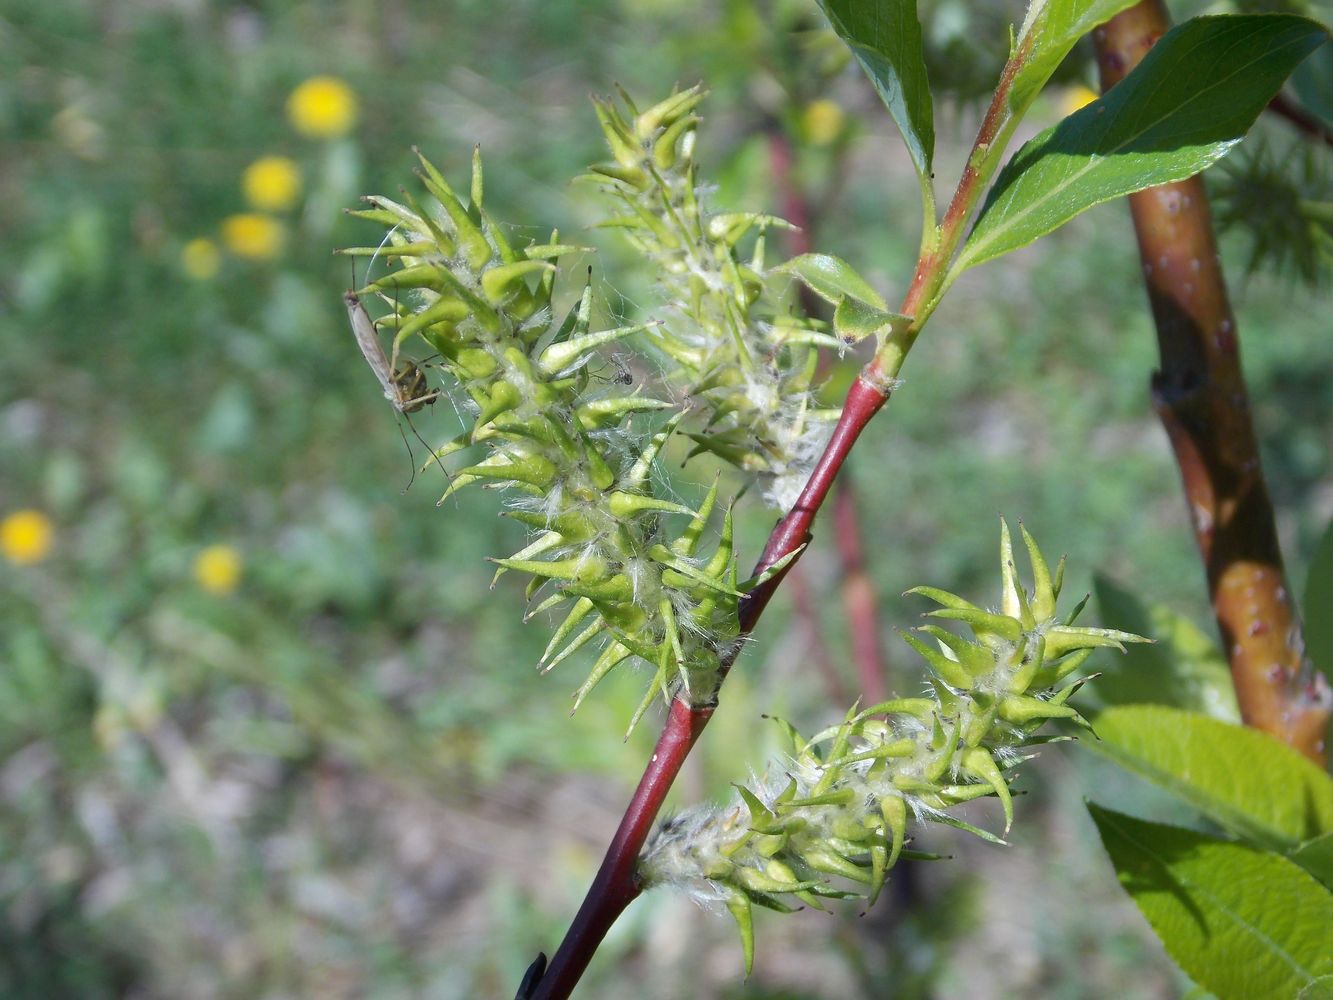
(616, 884)
(1200, 396)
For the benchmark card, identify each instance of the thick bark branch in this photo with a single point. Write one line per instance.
(1199, 394)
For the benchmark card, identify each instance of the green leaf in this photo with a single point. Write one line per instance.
(1316, 857)
(1191, 99)
(1245, 780)
(1054, 31)
(833, 279)
(1318, 601)
(1183, 668)
(885, 37)
(1240, 921)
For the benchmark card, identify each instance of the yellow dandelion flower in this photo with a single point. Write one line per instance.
(272, 183)
(217, 569)
(26, 537)
(1076, 97)
(252, 235)
(200, 259)
(822, 121)
(323, 107)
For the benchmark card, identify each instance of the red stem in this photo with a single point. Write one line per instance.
(616, 886)
(858, 597)
(793, 531)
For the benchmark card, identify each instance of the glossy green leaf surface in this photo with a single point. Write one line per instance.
(1184, 106)
(1053, 32)
(1318, 605)
(1242, 922)
(1182, 668)
(885, 37)
(1242, 779)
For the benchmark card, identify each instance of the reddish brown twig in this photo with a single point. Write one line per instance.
(615, 885)
(1199, 394)
(858, 597)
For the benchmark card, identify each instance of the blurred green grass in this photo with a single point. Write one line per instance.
(343, 777)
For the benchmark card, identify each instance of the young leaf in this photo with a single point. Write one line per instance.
(885, 37)
(1243, 779)
(1318, 601)
(833, 279)
(1240, 921)
(1191, 99)
(1053, 32)
(1183, 668)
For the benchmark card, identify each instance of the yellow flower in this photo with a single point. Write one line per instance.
(322, 107)
(822, 121)
(218, 569)
(1076, 97)
(272, 183)
(200, 259)
(26, 536)
(252, 236)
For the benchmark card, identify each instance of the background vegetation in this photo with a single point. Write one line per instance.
(264, 732)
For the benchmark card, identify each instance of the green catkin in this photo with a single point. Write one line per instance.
(744, 360)
(841, 802)
(624, 561)
(568, 447)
